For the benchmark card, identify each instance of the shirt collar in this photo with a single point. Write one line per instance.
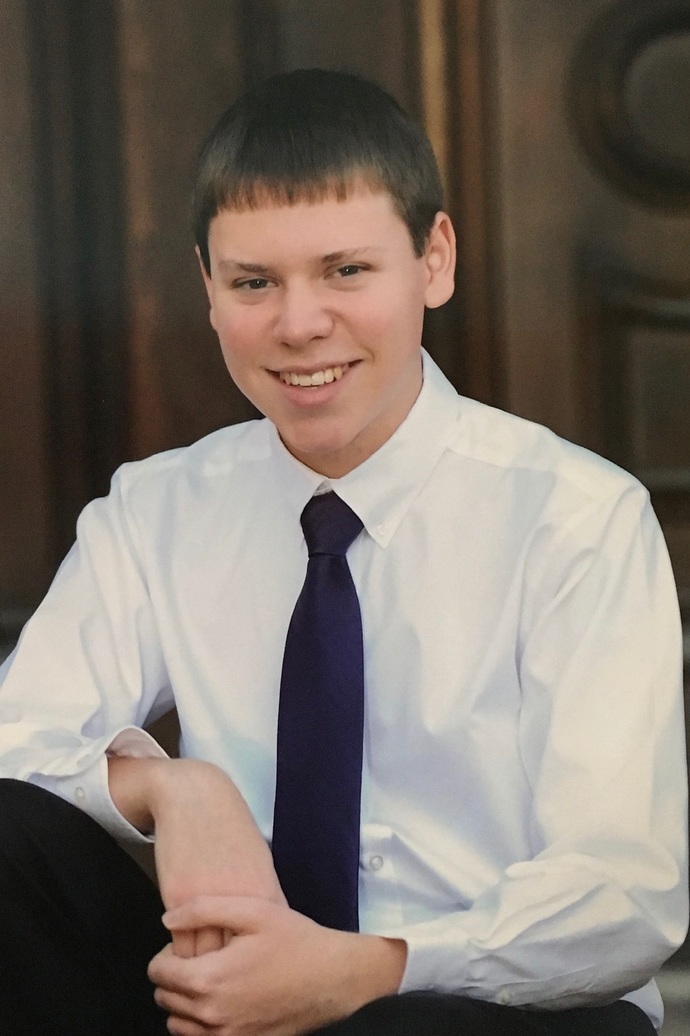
(382, 488)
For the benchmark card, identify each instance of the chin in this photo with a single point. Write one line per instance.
(319, 455)
(320, 442)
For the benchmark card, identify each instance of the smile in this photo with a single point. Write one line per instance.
(322, 377)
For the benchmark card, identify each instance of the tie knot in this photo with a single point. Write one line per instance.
(329, 525)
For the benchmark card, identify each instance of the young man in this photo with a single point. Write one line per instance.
(506, 740)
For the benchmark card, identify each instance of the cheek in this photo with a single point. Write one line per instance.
(375, 321)
(238, 333)
(393, 329)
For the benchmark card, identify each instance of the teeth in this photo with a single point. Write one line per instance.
(324, 377)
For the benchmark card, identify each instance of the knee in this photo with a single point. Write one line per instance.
(30, 817)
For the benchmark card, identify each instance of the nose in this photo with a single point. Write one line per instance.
(302, 315)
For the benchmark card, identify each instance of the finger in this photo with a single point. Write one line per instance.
(240, 915)
(170, 972)
(208, 940)
(176, 1004)
(185, 1027)
(184, 943)
(187, 1013)
(159, 961)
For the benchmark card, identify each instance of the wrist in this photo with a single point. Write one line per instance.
(389, 960)
(377, 966)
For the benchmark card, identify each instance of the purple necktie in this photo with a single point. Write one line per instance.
(320, 722)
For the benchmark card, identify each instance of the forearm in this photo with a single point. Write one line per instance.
(145, 790)
(207, 842)
(131, 784)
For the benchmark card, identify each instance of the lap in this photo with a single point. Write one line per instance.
(438, 1014)
(53, 854)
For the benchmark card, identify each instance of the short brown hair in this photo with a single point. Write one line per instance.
(309, 134)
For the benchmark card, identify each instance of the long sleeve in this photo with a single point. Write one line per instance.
(88, 672)
(603, 900)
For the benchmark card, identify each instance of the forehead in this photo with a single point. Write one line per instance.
(363, 218)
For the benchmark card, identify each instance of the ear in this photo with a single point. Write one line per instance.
(208, 284)
(439, 260)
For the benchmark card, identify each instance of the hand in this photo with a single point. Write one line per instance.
(280, 974)
(207, 842)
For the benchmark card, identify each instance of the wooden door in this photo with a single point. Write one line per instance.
(591, 200)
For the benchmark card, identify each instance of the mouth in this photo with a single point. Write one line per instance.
(313, 379)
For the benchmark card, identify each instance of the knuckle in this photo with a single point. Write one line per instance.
(209, 1015)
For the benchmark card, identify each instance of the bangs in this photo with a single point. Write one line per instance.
(257, 193)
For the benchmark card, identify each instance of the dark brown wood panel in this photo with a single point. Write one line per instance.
(174, 84)
(376, 39)
(472, 341)
(25, 510)
(77, 205)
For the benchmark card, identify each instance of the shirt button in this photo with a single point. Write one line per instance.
(80, 795)
(375, 863)
(381, 529)
(504, 998)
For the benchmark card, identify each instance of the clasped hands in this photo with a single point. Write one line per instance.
(240, 961)
(277, 972)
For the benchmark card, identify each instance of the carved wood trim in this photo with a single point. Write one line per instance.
(455, 40)
(614, 302)
(597, 104)
(433, 61)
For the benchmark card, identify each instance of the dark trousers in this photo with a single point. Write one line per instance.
(79, 922)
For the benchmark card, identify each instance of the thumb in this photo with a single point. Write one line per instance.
(240, 915)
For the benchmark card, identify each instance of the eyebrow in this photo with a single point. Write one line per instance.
(345, 255)
(235, 264)
(349, 253)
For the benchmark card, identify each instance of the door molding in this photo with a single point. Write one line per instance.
(602, 111)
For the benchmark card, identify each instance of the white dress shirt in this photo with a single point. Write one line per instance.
(524, 784)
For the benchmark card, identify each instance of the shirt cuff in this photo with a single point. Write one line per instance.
(89, 788)
(431, 962)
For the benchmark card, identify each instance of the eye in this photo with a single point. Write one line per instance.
(253, 283)
(349, 270)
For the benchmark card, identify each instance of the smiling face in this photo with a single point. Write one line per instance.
(318, 309)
